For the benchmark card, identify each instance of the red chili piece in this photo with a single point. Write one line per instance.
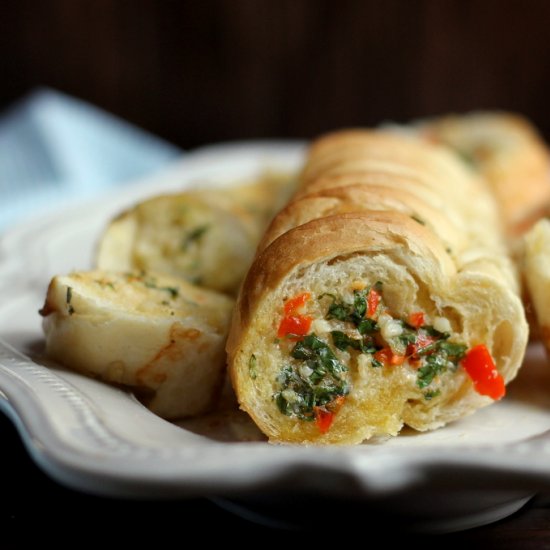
(295, 325)
(373, 299)
(481, 368)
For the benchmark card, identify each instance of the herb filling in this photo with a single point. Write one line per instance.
(317, 378)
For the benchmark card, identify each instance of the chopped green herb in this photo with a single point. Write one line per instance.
(68, 299)
(418, 220)
(435, 364)
(194, 235)
(103, 283)
(432, 332)
(467, 157)
(408, 336)
(430, 348)
(318, 379)
(353, 313)
(338, 310)
(313, 383)
(253, 367)
(359, 306)
(367, 326)
(453, 350)
(342, 341)
(312, 348)
(151, 283)
(174, 292)
(429, 395)
(197, 280)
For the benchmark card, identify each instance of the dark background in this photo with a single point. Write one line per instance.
(196, 72)
(202, 71)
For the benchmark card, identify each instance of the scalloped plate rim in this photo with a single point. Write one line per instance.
(81, 470)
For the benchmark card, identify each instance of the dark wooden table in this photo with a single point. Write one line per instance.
(213, 70)
(36, 510)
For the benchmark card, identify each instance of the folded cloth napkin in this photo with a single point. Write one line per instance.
(55, 148)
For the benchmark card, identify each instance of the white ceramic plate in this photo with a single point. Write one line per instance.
(95, 437)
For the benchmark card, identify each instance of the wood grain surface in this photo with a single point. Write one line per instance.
(199, 71)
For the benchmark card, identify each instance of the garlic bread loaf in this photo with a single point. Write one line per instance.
(367, 309)
(207, 237)
(159, 335)
(355, 197)
(536, 270)
(508, 152)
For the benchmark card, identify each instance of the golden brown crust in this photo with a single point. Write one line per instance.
(507, 150)
(358, 197)
(204, 236)
(341, 152)
(152, 333)
(324, 239)
(536, 272)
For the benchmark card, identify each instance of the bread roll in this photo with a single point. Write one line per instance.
(536, 269)
(507, 150)
(158, 335)
(207, 237)
(405, 164)
(366, 308)
(357, 197)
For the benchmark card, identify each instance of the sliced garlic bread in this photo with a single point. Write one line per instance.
(357, 318)
(536, 272)
(157, 334)
(207, 237)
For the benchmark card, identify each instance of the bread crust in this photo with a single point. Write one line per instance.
(207, 237)
(157, 334)
(535, 254)
(357, 197)
(506, 149)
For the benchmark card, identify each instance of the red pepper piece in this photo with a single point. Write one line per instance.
(387, 357)
(373, 299)
(324, 416)
(423, 341)
(416, 319)
(295, 324)
(298, 326)
(480, 367)
(294, 305)
(323, 419)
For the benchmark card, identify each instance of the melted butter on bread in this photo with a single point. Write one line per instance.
(157, 334)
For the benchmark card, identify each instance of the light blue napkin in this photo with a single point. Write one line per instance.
(55, 148)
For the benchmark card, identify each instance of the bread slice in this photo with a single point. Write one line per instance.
(207, 237)
(505, 149)
(157, 334)
(536, 271)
